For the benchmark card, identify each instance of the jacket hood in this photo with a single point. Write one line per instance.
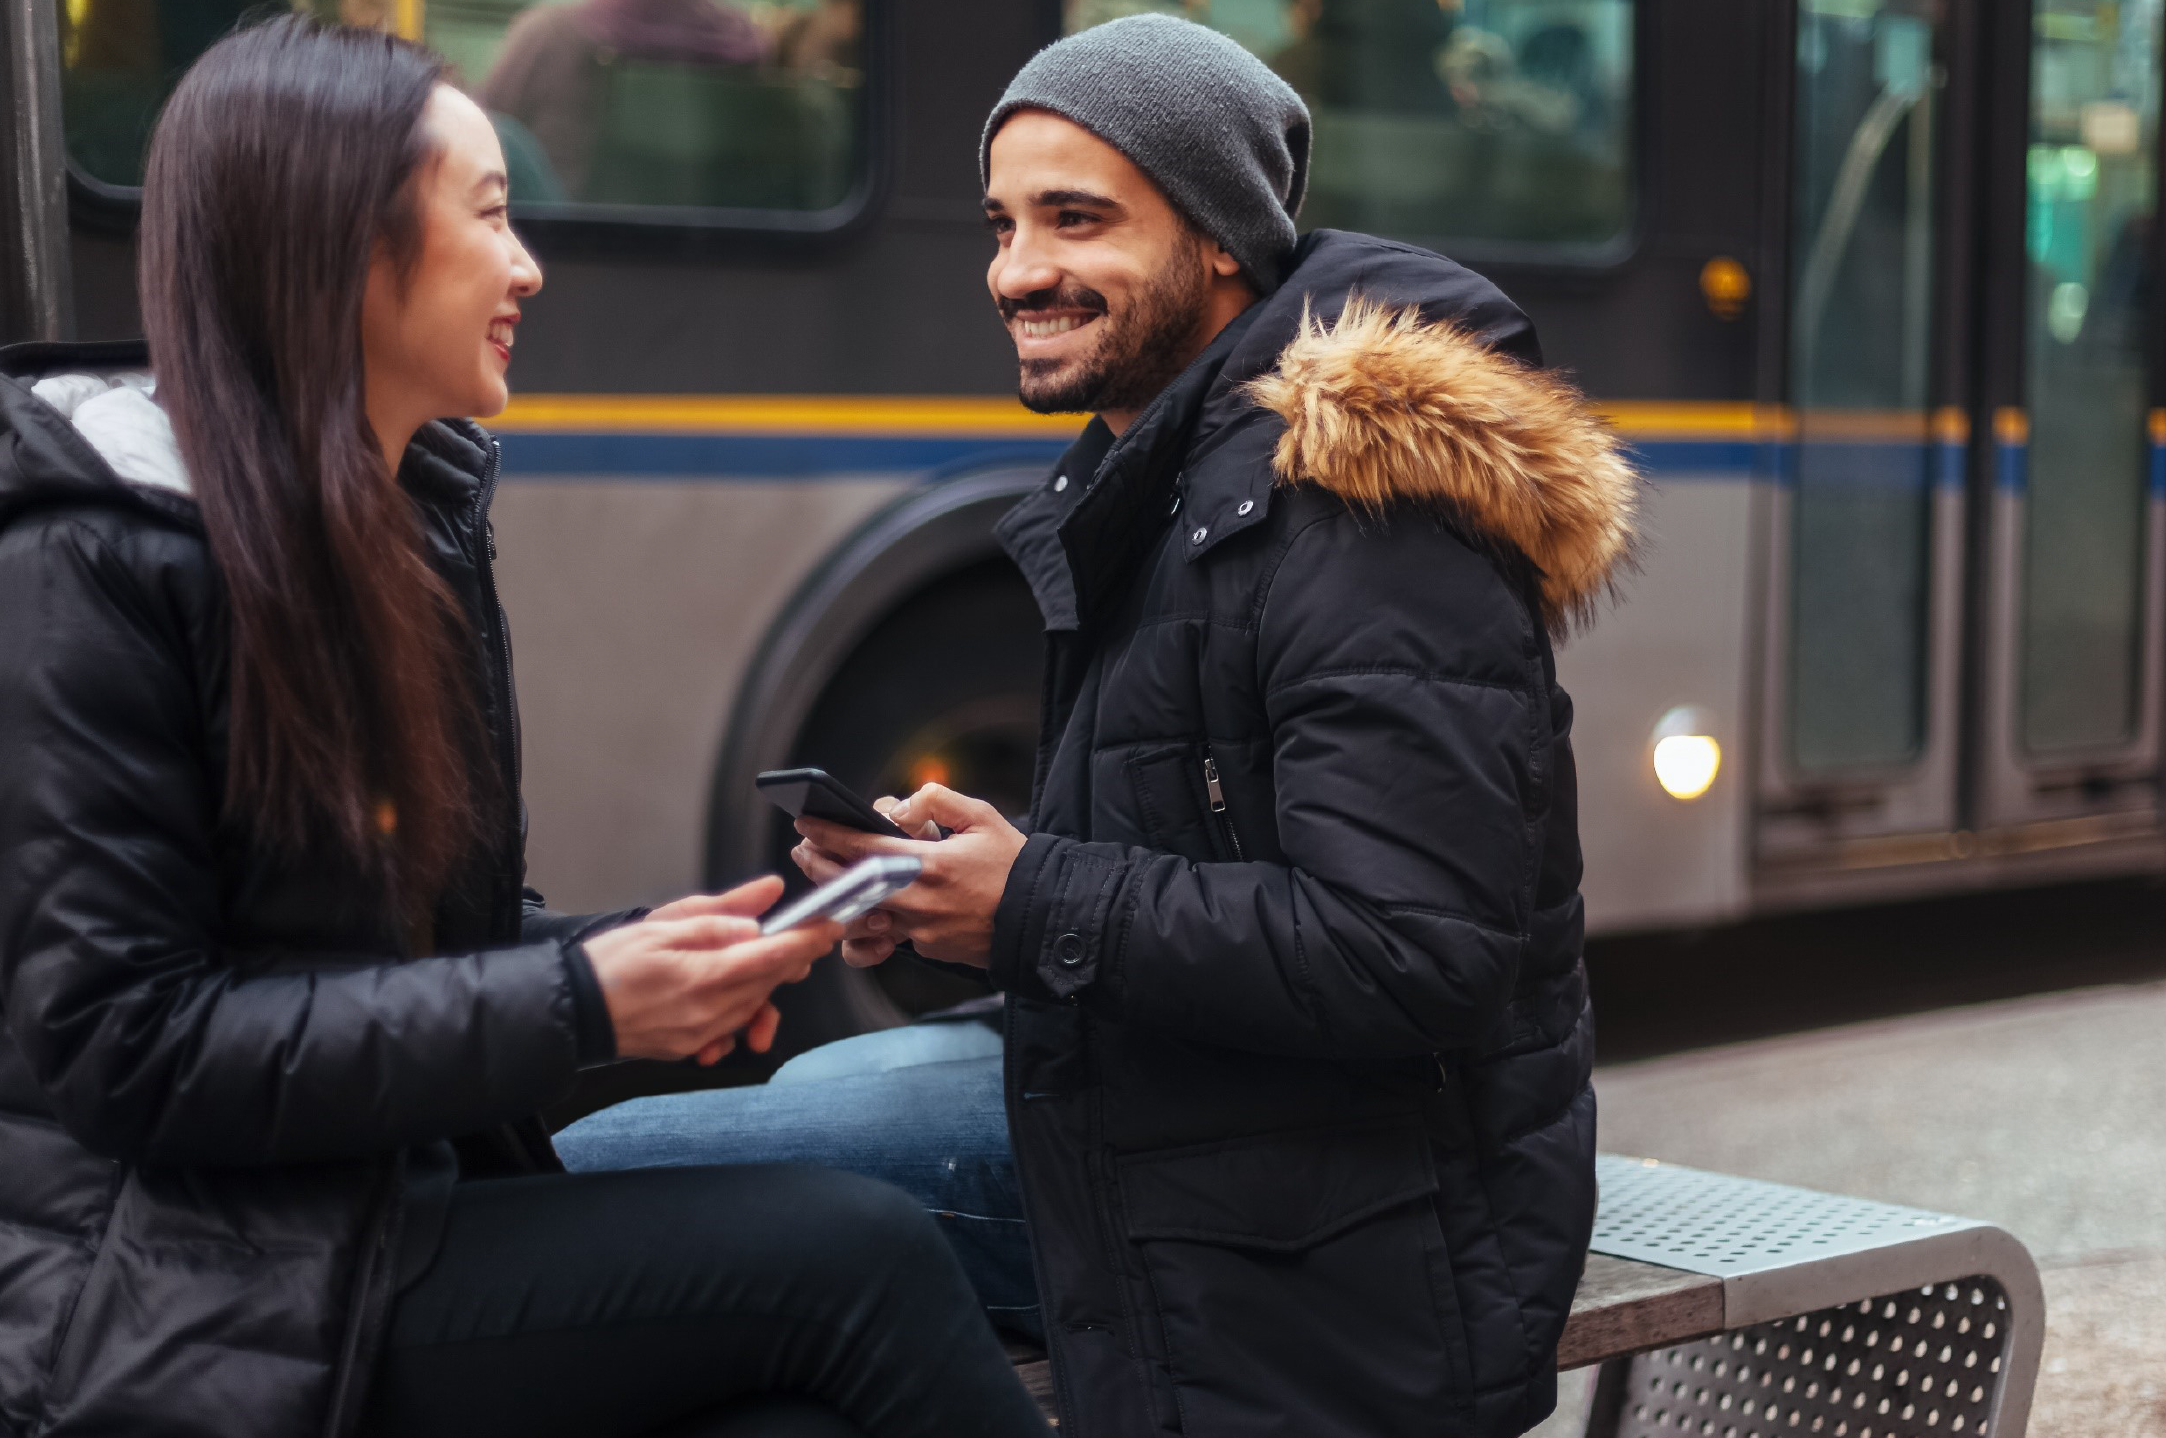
(1379, 371)
(1384, 407)
(79, 425)
(117, 411)
(45, 458)
(1404, 378)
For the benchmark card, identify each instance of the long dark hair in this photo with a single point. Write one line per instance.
(285, 157)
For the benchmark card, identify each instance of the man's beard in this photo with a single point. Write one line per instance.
(1139, 351)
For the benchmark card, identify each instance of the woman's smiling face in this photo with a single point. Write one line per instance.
(436, 340)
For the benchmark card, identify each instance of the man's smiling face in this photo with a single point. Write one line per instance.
(1104, 287)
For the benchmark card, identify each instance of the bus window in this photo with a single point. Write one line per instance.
(119, 60)
(2090, 176)
(704, 104)
(1500, 122)
(1860, 333)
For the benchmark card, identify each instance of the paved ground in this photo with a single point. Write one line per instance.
(2046, 1115)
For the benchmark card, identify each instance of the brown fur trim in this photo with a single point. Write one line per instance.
(1384, 407)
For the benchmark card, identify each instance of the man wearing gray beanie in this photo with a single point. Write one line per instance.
(1299, 1137)
(1223, 137)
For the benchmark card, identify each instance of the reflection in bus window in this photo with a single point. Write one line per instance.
(2093, 156)
(1860, 325)
(1467, 120)
(702, 103)
(120, 59)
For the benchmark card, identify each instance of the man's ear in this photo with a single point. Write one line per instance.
(1223, 264)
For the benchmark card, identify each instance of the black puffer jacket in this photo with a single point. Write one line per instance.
(1298, 1036)
(223, 1097)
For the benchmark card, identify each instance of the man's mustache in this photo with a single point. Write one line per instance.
(1075, 298)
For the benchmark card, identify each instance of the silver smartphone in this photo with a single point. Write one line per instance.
(850, 893)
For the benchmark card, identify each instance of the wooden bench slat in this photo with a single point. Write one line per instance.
(1625, 1306)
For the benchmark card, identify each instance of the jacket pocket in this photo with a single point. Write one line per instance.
(1301, 1282)
(1214, 799)
(1180, 800)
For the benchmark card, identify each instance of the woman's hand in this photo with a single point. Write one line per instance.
(685, 980)
(948, 913)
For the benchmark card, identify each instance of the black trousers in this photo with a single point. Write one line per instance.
(671, 1301)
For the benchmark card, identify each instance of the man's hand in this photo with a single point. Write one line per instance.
(948, 912)
(692, 975)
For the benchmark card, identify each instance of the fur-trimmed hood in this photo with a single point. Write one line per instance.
(1384, 407)
(1381, 373)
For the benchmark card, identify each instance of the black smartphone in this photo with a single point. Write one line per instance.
(850, 893)
(798, 792)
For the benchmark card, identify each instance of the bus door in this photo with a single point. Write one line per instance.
(1858, 762)
(2070, 588)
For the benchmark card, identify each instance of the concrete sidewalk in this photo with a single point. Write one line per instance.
(2044, 1115)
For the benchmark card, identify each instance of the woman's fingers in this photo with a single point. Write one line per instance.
(752, 898)
(748, 900)
(762, 963)
(739, 941)
(760, 1033)
(702, 932)
(687, 987)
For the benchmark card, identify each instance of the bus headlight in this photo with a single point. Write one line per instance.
(1686, 756)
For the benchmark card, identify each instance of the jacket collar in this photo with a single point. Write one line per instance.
(1078, 536)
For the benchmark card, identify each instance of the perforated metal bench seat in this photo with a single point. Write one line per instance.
(1730, 1308)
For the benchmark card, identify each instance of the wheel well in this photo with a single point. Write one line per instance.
(901, 552)
(895, 619)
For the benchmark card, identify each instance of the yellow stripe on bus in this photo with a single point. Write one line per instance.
(1689, 420)
(997, 416)
(1000, 417)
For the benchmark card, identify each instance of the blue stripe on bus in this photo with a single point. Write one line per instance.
(1884, 465)
(672, 456)
(1688, 457)
(1948, 459)
(2010, 463)
(816, 457)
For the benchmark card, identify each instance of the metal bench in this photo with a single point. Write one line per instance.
(1730, 1308)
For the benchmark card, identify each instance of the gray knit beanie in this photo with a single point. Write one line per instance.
(1225, 138)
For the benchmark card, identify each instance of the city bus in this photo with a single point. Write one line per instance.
(1869, 286)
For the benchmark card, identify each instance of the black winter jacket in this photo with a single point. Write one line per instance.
(1298, 1036)
(222, 1090)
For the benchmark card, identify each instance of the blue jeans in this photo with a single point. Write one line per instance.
(919, 1107)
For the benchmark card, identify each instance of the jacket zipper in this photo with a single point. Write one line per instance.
(484, 564)
(1011, 1083)
(374, 1278)
(1217, 794)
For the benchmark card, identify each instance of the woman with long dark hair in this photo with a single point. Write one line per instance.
(277, 1006)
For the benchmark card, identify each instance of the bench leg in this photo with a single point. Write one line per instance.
(1922, 1363)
